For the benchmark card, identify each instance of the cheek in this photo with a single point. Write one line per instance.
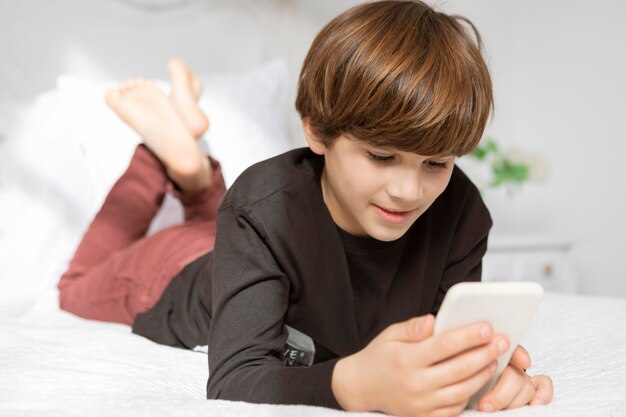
(437, 184)
(351, 182)
(361, 177)
(444, 181)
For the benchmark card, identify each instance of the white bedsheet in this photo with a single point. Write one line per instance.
(53, 363)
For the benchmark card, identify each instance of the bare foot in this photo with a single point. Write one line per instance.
(149, 112)
(186, 90)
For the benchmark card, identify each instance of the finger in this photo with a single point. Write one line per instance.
(544, 390)
(524, 397)
(520, 358)
(466, 364)
(507, 388)
(413, 330)
(463, 390)
(453, 342)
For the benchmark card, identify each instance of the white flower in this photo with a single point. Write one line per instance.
(537, 165)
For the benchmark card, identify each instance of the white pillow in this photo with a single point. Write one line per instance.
(46, 196)
(246, 113)
(62, 155)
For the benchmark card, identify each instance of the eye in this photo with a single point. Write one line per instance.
(436, 164)
(381, 159)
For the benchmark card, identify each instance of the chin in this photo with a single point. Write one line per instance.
(387, 235)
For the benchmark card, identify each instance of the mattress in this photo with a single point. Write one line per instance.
(56, 364)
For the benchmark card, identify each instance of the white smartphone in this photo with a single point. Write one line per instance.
(507, 306)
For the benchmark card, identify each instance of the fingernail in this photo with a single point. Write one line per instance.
(503, 346)
(493, 366)
(488, 408)
(484, 331)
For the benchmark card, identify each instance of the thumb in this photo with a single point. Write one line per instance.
(412, 330)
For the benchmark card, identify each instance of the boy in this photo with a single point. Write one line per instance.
(325, 256)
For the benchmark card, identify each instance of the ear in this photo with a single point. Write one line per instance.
(314, 142)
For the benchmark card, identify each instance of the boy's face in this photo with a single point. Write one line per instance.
(378, 192)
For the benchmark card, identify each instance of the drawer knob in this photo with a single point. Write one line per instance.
(548, 270)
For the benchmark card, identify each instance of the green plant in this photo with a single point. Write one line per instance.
(504, 169)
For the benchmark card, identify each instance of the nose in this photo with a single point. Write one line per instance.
(407, 187)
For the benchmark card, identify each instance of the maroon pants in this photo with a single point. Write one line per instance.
(117, 271)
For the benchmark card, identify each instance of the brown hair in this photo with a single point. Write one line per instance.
(397, 74)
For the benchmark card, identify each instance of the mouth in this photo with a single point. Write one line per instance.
(393, 216)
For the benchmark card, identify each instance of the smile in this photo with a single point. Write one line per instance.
(391, 215)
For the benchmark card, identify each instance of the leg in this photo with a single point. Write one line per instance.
(135, 198)
(186, 90)
(202, 206)
(122, 221)
(116, 273)
(132, 280)
(125, 215)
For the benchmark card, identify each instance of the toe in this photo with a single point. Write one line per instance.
(179, 73)
(113, 98)
(175, 65)
(196, 85)
(142, 82)
(124, 86)
(128, 85)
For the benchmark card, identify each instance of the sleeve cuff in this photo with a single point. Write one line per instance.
(323, 378)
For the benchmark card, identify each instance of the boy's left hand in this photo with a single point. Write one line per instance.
(515, 388)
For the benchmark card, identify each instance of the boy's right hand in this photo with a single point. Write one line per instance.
(406, 371)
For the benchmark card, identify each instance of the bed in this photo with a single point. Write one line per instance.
(60, 152)
(56, 364)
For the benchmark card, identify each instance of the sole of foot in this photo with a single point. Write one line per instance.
(150, 113)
